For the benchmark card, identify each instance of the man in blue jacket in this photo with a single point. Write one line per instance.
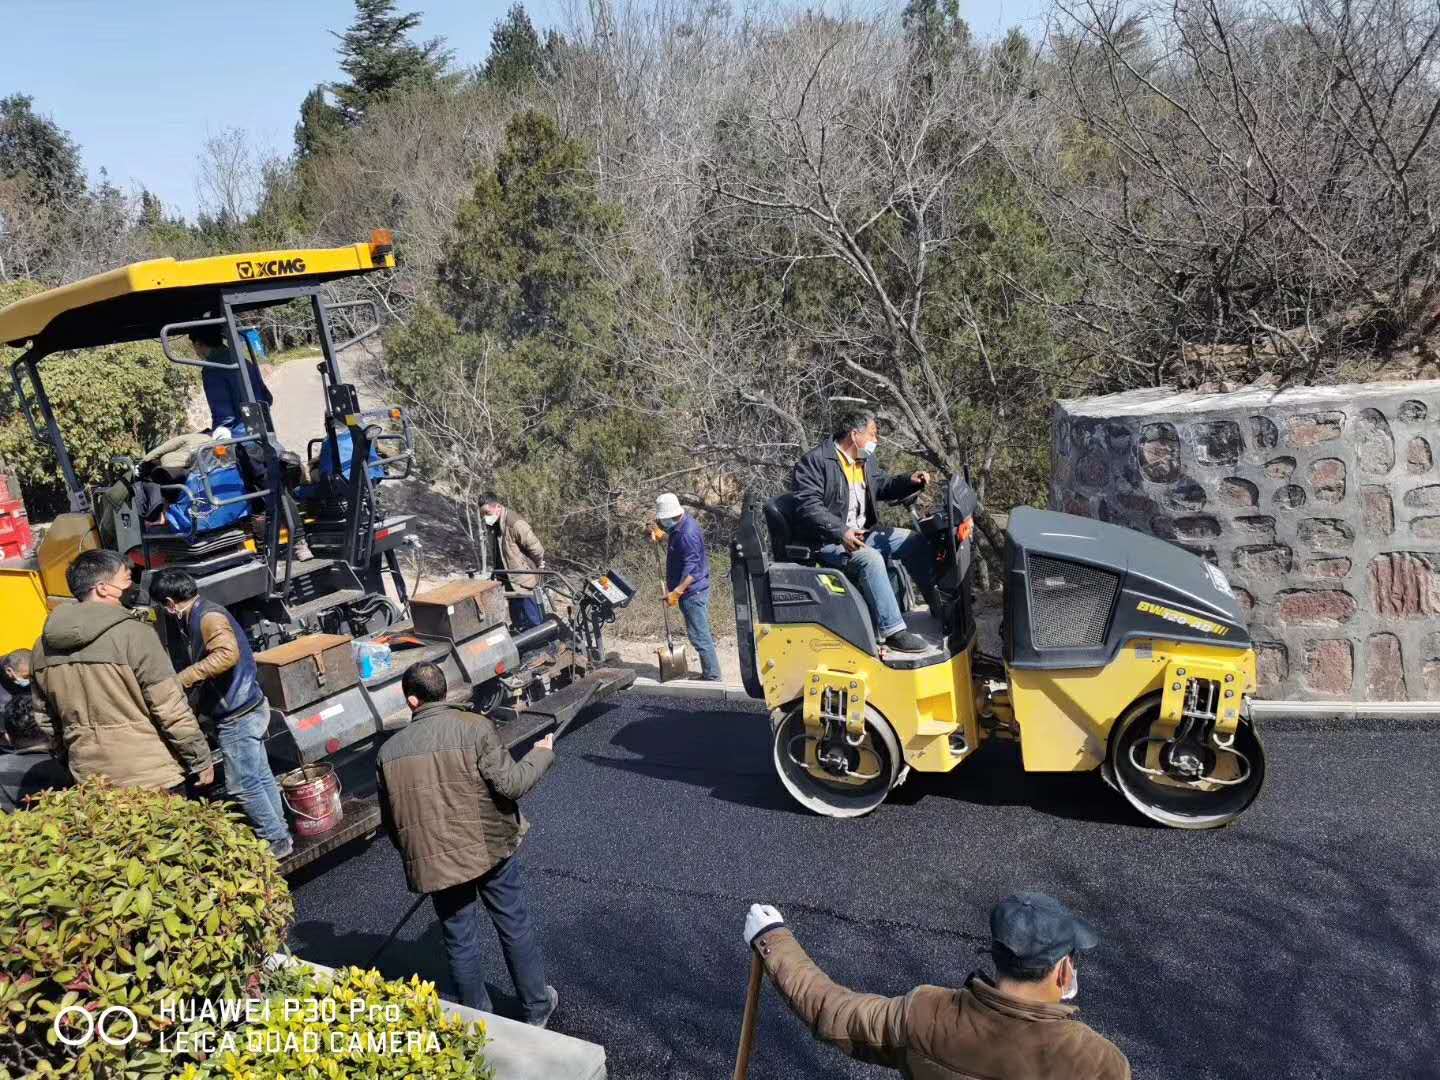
(223, 667)
(837, 485)
(687, 579)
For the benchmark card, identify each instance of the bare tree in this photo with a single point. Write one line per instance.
(228, 176)
(1244, 188)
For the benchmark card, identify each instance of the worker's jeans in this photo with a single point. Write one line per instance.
(248, 778)
(503, 893)
(867, 567)
(695, 606)
(525, 612)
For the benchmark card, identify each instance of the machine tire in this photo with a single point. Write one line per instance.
(488, 696)
(1177, 807)
(837, 800)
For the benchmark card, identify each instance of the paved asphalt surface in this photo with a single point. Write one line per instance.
(1301, 942)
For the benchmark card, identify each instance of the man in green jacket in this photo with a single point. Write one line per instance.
(1016, 1027)
(448, 789)
(105, 693)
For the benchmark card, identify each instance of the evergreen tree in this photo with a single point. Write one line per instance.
(36, 149)
(517, 56)
(378, 56)
(320, 123)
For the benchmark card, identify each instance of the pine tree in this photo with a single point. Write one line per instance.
(320, 123)
(36, 149)
(378, 56)
(517, 56)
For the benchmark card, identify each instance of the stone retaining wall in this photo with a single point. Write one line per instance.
(1321, 505)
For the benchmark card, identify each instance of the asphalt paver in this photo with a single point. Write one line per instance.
(1300, 942)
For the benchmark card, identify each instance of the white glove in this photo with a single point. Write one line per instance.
(762, 917)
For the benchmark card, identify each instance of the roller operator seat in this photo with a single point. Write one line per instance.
(779, 513)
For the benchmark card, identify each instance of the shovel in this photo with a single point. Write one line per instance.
(671, 659)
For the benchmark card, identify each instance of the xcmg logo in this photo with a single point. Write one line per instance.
(270, 268)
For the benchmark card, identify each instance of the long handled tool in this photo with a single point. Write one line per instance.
(747, 1024)
(398, 927)
(671, 659)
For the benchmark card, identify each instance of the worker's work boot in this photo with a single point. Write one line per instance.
(544, 1021)
(906, 642)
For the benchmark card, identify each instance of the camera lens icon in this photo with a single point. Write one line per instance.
(104, 1025)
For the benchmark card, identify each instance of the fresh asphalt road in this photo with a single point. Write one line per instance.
(1301, 942)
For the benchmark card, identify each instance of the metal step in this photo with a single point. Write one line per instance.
(301, 569)
(324, 603)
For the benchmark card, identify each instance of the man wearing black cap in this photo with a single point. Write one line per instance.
(1016, 1027)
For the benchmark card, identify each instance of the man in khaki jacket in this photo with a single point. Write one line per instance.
(514, 550)
(1017, 1027)
(105, 694)
(448, 789)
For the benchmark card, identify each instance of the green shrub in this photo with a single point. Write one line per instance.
(354, 1025)
(121, 399)
(117, 896)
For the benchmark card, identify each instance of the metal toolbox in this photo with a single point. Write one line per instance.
(459, 610)
(307, 669)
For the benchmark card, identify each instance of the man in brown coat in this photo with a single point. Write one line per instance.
(105, 693)
(514, 551)
(1017, 1027)
(448, 789)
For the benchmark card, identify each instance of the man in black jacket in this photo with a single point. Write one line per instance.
(836, 487)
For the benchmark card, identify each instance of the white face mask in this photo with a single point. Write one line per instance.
(21, 683)
(865, 449)
(491, 519)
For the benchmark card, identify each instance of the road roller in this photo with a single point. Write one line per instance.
(1121, 654)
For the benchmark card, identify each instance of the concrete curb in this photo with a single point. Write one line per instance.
(692, 688)
(516, 1051)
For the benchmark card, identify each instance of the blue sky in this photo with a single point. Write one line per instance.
(140, 84)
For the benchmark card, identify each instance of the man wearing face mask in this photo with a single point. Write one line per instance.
(17, 725)
(514, 551)
(105, 694)
(1016, 1026)
(836, 487)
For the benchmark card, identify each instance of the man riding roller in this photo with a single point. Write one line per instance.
(836, 487)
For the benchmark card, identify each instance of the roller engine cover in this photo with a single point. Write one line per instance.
(1076, 590)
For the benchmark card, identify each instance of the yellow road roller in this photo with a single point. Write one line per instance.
(1121, 653)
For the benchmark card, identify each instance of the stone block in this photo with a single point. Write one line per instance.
(1405, 584)
(1245, 600)
(1412, 412)
(1255, 529)
(1326, 534)
(1160, 453)
(1418, 458)
(1186, 495)
(1423, 498)
(1326, 568)
(1374, 443)
(1330, 666)
(1280, 468)
(1314, 428)
(1218, 442)
(1197, 527)
(1238, 492)
(1378, 511)
(1272, 664)
(1263, 433)
(1384, 668)
(1430, 669)
(1315, 607)
(1264, 560)
(1289, 497)
(1425, 528)
(1327, 480)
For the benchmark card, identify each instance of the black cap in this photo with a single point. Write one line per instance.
(1035, 932)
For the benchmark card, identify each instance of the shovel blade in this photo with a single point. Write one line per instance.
(672, 662)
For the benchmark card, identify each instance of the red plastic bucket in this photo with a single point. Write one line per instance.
(312, 795)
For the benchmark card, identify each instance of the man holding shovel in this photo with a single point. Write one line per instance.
(687, 578)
